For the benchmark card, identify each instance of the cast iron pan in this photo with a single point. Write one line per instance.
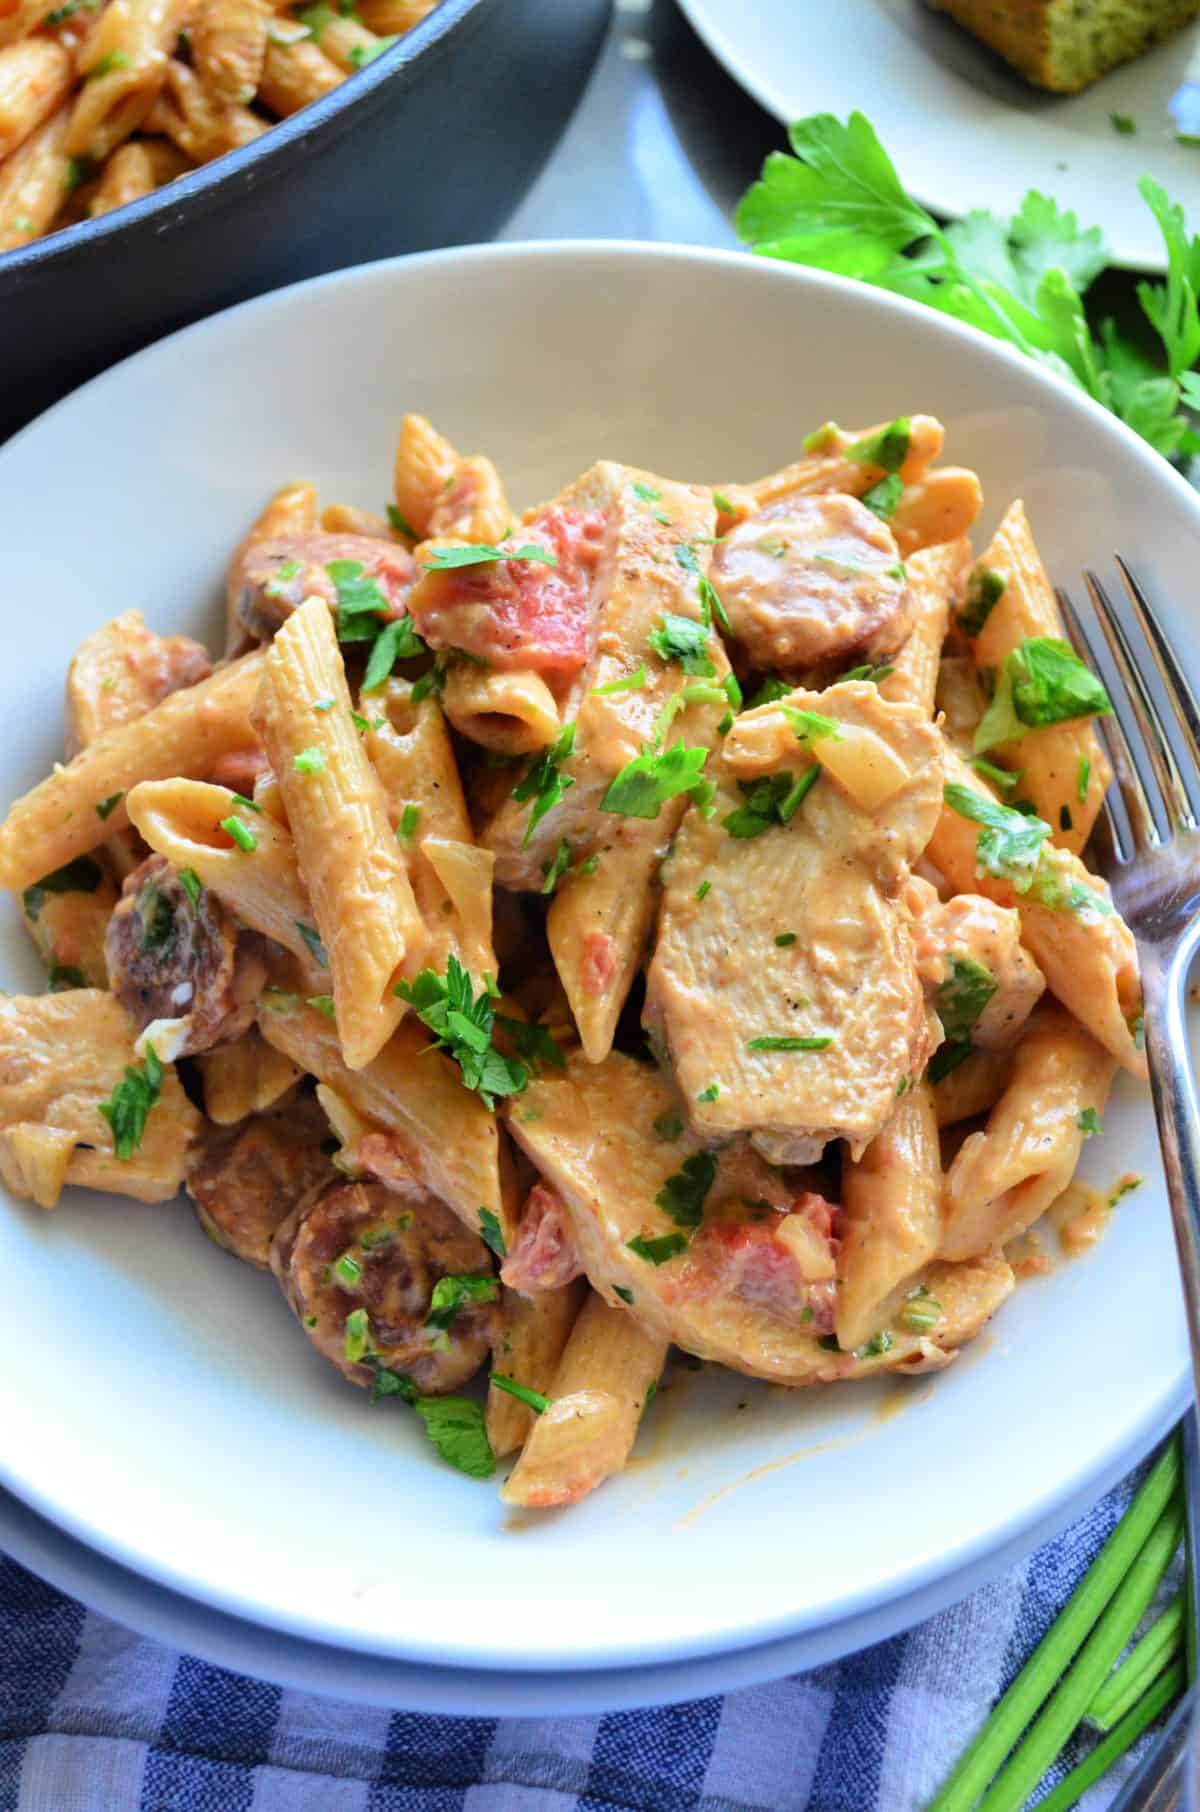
(433, 144)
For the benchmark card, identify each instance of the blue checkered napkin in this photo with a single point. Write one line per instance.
(95, 1719)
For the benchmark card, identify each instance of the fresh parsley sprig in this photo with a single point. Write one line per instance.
(837, 204)
(462, 1024)
(128, 1107)
(545, 783)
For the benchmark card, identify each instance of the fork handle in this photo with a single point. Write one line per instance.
(1177, 1111)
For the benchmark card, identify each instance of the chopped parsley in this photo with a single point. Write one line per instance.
(410, 817)
(545, 783)
(396, 641)
(985, 588)
(462, 1026)
(1083, 779)
(532, 1398)
(431, 682)
(646, 492)
(347, 1270)
(945, 1060)
(711, 1093)
(625, 1295)
(360, 600)
(668, 1126)
(1122, 123)
(962, 997)
(704, 889)
(83, 875)
(903, 1086)
(589, 865)
(556, 868)
(643, 786)
(1004, 778)
(682, 1196)
(711, 604)
(323, 1004)
(770, 800)
(1065, 821)
(1040, 682)
(823, 439)
(156, 916)
(116, 59)
(725, 504)
(316, 948)
(362, 54)
(810, 726)
(64, 975)
(309, 761)
(480, 553)
(772, 688)
(192, 885)
(783, 939)
(888, 449)
(883, 497)
(1125, 1187)
(491, 1233)
(874, 676)
(455, 1425)
(450, 1294)
(241, 833)
(631, 683)
(682, 639)
(400, 523)
(108, 806)
(1009, 845)
(534, 1042)
(1089, 1122)
(132, 1099)
(657, 1251)
(920, 1312)
(876, 1346)
(771, 1041)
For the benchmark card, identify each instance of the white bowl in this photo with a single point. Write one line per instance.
(159, 1403)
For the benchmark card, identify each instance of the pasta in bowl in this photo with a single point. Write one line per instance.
(661, 922)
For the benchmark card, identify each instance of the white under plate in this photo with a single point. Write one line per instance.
(160, 1403)
(963, 130)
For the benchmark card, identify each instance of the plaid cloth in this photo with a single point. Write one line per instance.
(96, 1719)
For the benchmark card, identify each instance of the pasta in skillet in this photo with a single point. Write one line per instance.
(661, 923)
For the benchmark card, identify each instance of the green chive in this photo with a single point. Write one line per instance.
(309, 761)
(410, 817)
(241, 833)
(347, 1270)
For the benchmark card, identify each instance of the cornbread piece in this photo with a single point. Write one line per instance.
(1065, 45)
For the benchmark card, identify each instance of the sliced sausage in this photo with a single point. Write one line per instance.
(171, 958)
(276, 576)
(246, 1179)
(811, 579)
(351, 1246)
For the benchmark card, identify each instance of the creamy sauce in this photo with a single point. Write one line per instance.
(1080, 1216)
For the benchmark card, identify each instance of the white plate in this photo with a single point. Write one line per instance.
(168, 1411)
(963, 130)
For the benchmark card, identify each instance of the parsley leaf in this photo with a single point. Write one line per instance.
(192, 885)
(129, 1106)
(534, 1042)
(449, 1294)
(646, 492)
(360, 601)
(682, 1196)
(316, 948)
(396, 641)
(534, 1398)
(963, 995)
(888, 449)
(633, 682)
(64, 975)
(773, 687)
(1041, 681)
(681, 639)
(985, 588)
(107, 807)
(480, 553)
(400, 524)
(544, 783)
(556, 868)
(455, 1425)
(810, 726)
(1089, 1122)
(770, 800)
(657, 1251)
(883, 497)
(642, 787)
(1010, 844)
(83, 875)
(668, 1126)
(491, 1233)
(462, 1026)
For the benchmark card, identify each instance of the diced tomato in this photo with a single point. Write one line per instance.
(543, 1255)
(599, 964)
(747, 1259)
(519, 613)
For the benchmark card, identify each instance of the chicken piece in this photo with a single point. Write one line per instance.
(122, 671)
(783, 985)
(246, 1179)
(812, 578)
(983, 982)
(964, 1297)
(716, 1251)
(654, 551)
(271, 578)
(181, 962)
(544, 1257)
(352, 1246)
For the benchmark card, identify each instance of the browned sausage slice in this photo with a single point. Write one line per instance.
(246, 1179)
(276, 576)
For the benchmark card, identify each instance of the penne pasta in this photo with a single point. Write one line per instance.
(601, 1388)
(136, 169)
(353, 871)
(1004, 1178)
(935, 578)
(442, 1134)
(533, 1332)
(229, 47)
(245, 1077)
(512, 713)
(890, 1226)
(81, 805)
(598, 924)
(939, 508)
(123, 62)
(294, 74)
(1064, 770)
(33, 183)
(35, 75)
(196, 123)
(972, 1087)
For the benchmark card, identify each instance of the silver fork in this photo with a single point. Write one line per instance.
(1148, 845)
